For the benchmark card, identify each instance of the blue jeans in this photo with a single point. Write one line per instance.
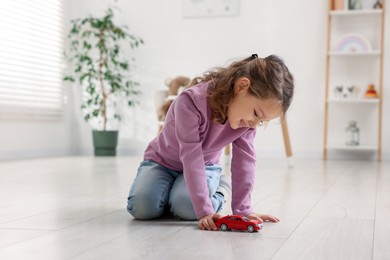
(158, 190)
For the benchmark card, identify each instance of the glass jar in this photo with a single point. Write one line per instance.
(352, 132)
(355, 5)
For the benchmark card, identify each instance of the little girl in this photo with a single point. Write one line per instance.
(180, 173)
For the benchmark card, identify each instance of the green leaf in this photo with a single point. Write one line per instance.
(95, 113)
(117, 116)
(91, 89)
(69, 78)
(77, 69)
(124, 65)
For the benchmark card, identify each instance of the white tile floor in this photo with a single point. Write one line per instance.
(74, 208)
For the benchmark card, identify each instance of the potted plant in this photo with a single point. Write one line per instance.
(96, 48)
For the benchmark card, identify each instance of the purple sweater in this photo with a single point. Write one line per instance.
(190, 140)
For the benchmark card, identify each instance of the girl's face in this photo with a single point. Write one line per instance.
(246, 110)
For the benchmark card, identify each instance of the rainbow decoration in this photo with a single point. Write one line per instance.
(352, 43)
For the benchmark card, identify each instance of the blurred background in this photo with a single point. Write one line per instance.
(182, 38)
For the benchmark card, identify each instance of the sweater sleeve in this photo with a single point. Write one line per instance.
(243, 170)
(187, 122)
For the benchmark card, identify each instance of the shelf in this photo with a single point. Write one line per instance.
(354, 101)
(372, 148)
(354, 54)
(352, 50)
(351, 13)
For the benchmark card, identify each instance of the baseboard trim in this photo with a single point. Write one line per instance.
(30, 154)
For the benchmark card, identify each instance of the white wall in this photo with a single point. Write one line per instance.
(295, 30)
(29, 139)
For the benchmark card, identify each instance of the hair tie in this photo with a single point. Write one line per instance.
(254, 56)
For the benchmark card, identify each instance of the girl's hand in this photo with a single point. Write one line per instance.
(207, 222)
(263, 217)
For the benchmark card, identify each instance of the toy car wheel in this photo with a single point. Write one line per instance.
(224, 227)
(250, 228)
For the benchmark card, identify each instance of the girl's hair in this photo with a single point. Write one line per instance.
(269, 77)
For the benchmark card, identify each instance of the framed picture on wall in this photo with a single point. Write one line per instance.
(209, 8)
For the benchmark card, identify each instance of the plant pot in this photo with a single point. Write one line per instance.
(105, 142)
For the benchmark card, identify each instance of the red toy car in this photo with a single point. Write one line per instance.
(238, 222)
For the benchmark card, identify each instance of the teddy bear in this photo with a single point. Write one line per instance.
(175, 87)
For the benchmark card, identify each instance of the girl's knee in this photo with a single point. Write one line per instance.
(181, 206)
(144, 206)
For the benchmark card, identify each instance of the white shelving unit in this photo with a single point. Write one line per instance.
(360, 68)
(355, 12)
(353, 148)
(354, 101)
(355, 54)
